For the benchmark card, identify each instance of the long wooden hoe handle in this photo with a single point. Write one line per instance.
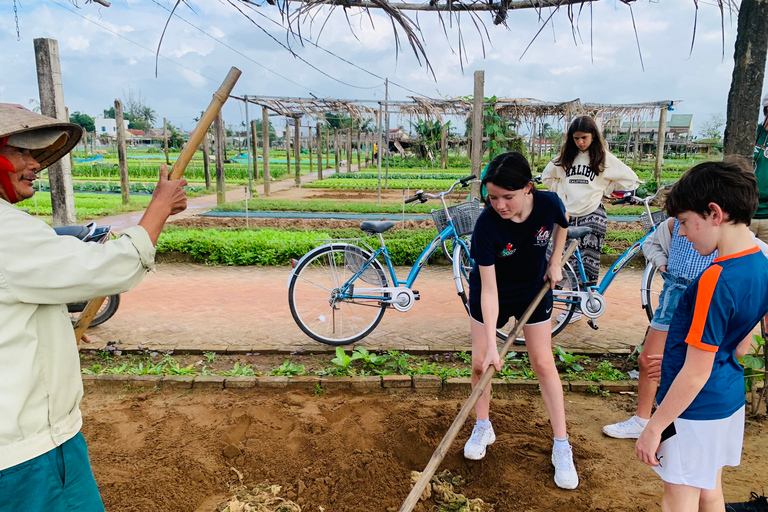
(221, 95)
(445, 444)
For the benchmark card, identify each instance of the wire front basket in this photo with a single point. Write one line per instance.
(355, 259)
(464, 216)
(656, 218)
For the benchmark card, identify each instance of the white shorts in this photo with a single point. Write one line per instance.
(698, 449)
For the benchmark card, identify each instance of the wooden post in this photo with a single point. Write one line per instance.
(265, 147)
(165, 140)
(444, 146)
(319, 152)
(207, 160)
(660, 143)
(377, 153)
(297, 148)
(220, 140)
(309, 148)
(287, 142)
(125, 185)
(255, 143)
(52, 105)
(749, 58)
(368, 139)
(349, 149)
(327, 146)
(478, 104)
(336, 148)
(358, 151)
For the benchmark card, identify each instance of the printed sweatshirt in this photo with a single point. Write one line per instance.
(581, 189)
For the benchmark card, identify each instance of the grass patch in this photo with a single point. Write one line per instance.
(87, 206)
(325, 205)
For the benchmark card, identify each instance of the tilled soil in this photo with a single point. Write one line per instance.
(187, 451)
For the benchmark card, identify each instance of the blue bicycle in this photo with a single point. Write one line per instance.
(587, 297)
(338, 292)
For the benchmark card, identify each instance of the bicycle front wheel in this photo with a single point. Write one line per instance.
(462, 266)
(449, 245)
(319, 302)
(652, 287)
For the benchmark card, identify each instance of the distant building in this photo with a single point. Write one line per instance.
(107, 127)
(679, 128)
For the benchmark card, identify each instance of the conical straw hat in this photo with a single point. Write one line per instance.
(48, 139)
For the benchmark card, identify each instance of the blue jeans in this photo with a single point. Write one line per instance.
(668, 298)
(60, 480)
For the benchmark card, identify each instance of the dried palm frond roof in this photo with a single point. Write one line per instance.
(525, 109)
(313, 107)
(298, 13)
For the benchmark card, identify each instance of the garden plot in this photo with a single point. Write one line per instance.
(342, 452)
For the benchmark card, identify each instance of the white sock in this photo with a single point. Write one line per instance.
(561, 442)
(486, 423)
(641, 421)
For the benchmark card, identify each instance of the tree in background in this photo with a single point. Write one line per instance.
(139, 115)
(499, 132)
(84, 120)
(712, 128)
(429, 135)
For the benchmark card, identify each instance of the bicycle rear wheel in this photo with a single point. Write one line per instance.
(321, 309)
(651, 290)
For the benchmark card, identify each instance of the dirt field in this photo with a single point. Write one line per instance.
(168, 451)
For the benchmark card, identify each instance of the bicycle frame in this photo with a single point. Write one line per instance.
(617, 266)
(448, 233)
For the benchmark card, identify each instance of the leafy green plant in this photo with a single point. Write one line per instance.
(370, 359)
(342, 362)
(604, 371)
(466, 357)
(569, 361)
(754, 371)
(239, 370)
(210, 356)
(399, 362)
(288, 369)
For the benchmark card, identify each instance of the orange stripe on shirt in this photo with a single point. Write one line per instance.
(737, 255)
(707, 284)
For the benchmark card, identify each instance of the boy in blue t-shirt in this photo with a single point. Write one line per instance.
(699, 425)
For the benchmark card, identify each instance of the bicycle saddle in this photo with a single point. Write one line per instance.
(377, 226)
(578, 232)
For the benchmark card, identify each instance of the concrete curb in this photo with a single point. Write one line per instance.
(220, 349)
(384, 383)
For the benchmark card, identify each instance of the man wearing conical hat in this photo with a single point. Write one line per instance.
(43, 458)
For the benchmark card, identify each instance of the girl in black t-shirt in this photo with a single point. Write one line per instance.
(509, 247)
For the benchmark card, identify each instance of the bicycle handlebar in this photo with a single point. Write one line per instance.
(423, 196)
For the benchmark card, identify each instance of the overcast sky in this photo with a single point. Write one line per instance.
(105, 52)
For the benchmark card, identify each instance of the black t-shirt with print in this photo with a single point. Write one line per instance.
(517, 250)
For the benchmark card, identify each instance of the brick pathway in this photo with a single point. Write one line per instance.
(186, 306)
(245, 309)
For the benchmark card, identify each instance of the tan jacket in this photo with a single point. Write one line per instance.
(40, 383)
(580, 189)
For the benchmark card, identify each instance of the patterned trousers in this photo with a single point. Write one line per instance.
(591, 246)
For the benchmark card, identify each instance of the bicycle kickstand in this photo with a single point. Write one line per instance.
(591, 322)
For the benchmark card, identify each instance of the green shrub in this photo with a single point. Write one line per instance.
(273, 247)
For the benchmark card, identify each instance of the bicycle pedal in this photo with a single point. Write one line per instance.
(416, 295)
(592, 324)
